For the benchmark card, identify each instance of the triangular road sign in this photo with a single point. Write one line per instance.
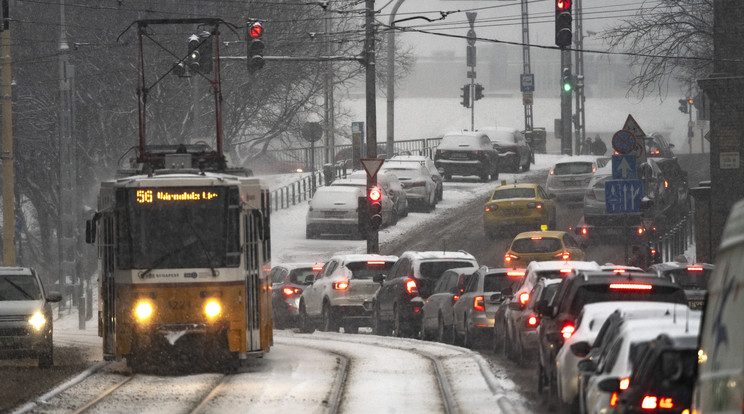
(371, 165)
(632, 126)
(647, 223)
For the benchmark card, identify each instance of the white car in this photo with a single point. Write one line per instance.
(389, 184)
(417, 182)
(590, 320)
(335, 210)
(617, 360)
(569, 180)
(429, 164)
(341, 294)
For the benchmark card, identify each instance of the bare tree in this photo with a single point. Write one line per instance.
(666, 40)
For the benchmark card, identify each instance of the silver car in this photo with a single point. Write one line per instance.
(417, 182)
(335, 210)
(569, 180)
(26, 320)
(388, 181)
(430, 166)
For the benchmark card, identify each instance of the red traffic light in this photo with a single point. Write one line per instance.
(374, 194)
(255, 31)
(563, 4)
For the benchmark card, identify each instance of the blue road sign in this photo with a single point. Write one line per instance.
(623, 167)
(623, 141)
(623, 196)
(527, 82)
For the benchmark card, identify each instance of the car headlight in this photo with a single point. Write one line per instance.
(212, 308)
(143, 310)
(37, 320)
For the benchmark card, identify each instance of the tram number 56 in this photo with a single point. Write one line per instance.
(144, 196)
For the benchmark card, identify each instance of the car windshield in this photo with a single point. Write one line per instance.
(513, 193)
(302, 276)
(432, 270)
(19, 287)
(499, 282)
(691, 279)
(573, 168)
(368, 270)
(541, 245)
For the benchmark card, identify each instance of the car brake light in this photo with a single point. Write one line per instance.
(288, 291)
(375, 262)
(613, 399)
(524, 297)
(648, 402)
(455, 298)
(534, 205)
(694, 268)
(509, 257)
(666, 184)
(552, 172)
(584, 231)
(563, 255)
(478, 304)
(630, 286)
(411, 287)
(565, 271)
(640, 231)
(567, 330)
(666, 403)
(318, 268)
(532, 321)
(492, 208)
(341, 285)
(515, 273)
(624, 384)
(536, 238)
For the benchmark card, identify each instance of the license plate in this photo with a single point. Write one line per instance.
(335, 214)
(695, 304)
(511, 211)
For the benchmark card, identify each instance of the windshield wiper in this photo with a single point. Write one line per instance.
(206, 251)
(20, 289)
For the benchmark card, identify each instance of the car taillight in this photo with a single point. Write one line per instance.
(317, 268)
(640, 231)
(509, 257)
(375, 262)
(515, 273)
(630, 286)
(535, 205)
(536, 238)
(694, 268)
(652, 402)
(523, 298)
(455, 298)
(567, 330)
(584, 231)
(343, 285)
(411, 287)
(478, 304)
(565, 271)
(624, 384)
(649, 402)
(532, 321)
(289, 291)
(563, 255)
(613, 399)
(552, 172)
(492, 208)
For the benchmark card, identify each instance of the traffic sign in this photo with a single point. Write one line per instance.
(527, 82)
(471, 37)
(647, 223)
(371, 165)
(632, 126)
(623, 167)
(623, 196)
(623, 141)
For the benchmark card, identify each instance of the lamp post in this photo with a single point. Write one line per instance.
(391, 83)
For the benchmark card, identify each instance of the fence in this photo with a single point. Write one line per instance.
(677, 239)
(304, 188)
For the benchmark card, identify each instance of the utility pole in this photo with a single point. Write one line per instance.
(328, 104)
(7, 156)
(373, 245)
(566, 105)
(527, 90)
(580, 124)
(390, 143)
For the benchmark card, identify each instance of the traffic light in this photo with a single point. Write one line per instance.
(192, 61)
(566, 81)
(255, 47)
(683, 105)
(478, 91)
(563, 34)
(465, 96)
(375, 208)
(206, 52)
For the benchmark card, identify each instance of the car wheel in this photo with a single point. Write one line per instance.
(399, 325)
(467, 336)
(519, 354)
(444, 332)
(394, 219)
(278, 322)
(329, 319)
(496, 340)
(306, 326)
(378, 326)
(552, 393)
(46, 358)
(309, 234)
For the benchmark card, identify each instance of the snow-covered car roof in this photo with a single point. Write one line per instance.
(439, 254)
(350, 258)
(563, 264)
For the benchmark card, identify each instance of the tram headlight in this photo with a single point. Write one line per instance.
(212, 308)
(143, 310)
(37, 320)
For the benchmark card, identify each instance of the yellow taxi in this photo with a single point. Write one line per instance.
(540, 246)
(521, 207)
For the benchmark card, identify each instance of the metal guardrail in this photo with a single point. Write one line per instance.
(677, 239)
(304, 188)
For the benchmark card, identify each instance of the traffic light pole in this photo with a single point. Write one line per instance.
(373, 244)
(566, 147)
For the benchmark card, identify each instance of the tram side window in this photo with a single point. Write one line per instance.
(266, 211)
(233, 229)
(252, 240)
(108, 244)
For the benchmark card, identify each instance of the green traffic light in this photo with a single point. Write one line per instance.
(567, 87)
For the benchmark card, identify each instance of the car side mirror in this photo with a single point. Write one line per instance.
(581, 349)
(53, 297)
(378, 278)
(609, 385)
(587, 365)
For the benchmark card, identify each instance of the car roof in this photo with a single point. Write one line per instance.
(562, 264)
(650, 328)
(638, 310)
(680, 265)
(14, 270)
(462, 270)
(438, 255)
(297, 265)
(408, 158)
(517, 185)
(360, 257)
(542, 233)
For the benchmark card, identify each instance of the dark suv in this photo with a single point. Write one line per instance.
(467, 153)
(397, 305)
(558, 320)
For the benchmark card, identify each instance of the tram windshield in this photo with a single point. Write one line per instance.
(185, 227)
